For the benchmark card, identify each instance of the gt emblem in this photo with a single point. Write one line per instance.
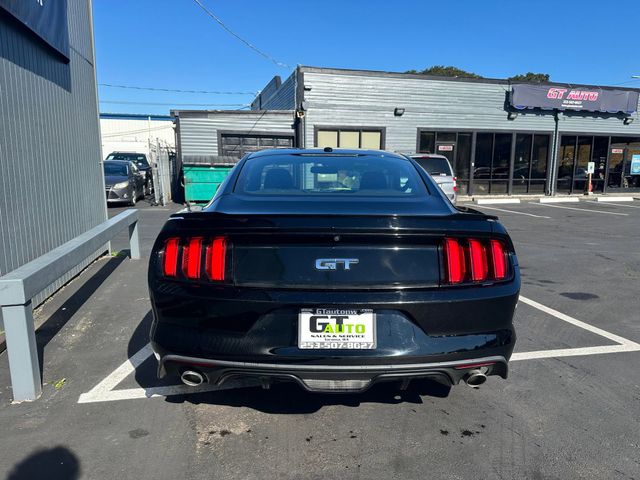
(332, 263)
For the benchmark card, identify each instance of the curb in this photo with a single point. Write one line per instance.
(614, 199)
(496, 201)
(559, 200)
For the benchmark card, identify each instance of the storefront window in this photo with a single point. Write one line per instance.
(500, 166)
(565, 163)
(482, 168)
(427, 142)
(621, 154)
(583, 157)
(522, 163)
(492, 161)
(462, 163)
(599, 157)
(539, 160)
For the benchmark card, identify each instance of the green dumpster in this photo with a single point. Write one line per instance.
(202, 179)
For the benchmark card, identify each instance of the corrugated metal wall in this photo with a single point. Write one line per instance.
(198, 131)
(51, 184)
(351, 98)
(282, 99)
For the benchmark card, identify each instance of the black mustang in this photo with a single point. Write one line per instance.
(335, 269)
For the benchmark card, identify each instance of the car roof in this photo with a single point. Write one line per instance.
(126, 162)
(428, 155)
(333, 152)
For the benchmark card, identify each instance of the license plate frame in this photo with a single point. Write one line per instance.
(358, 330)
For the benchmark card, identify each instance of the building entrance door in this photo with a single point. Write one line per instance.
(624, 165)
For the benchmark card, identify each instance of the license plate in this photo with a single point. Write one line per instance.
(336, 328)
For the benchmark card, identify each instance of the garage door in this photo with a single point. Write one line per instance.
(236, 145)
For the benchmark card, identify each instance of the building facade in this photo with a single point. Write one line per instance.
(224, 136)
(495, 145)
(51, 181)
(135, 133)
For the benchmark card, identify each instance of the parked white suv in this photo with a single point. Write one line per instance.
(439, 168)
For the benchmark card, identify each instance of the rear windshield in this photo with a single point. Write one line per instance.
(119, 169)
(435, 165)
(322, 174)
(137, 158)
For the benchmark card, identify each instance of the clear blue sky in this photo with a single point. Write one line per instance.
(174, 44)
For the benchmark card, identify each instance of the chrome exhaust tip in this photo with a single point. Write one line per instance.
(192, 378)
(475, 378)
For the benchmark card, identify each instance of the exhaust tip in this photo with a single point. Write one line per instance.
(475, 378)
(192, 378)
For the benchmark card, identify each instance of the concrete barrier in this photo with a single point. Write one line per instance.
(496, 201)
(19, 286)
(559, 200)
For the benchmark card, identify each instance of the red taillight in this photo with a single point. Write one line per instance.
(193, 264)
(478, 261)
(215, 258)
(474, 260)
(170, 257)
(192, 258)
(455, 184)
(498, 259)
(454, 258)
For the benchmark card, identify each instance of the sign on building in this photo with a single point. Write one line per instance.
(635, 165)
(46, 18)
(591, 99)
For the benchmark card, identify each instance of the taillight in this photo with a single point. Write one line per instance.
(215, 258)
(454, 256)
(478, 261)
(193, 263)
(192, 258)
(474, 260)
(455, 184)
(170, 257)
(498, 259)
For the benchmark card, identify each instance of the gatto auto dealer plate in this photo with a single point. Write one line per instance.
(337, 328)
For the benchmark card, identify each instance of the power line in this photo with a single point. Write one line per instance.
(125, 102)
(154, 89)
(248, 44)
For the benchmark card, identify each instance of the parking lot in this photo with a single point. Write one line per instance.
(569, 409)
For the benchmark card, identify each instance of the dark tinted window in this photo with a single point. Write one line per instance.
(335, 175)
(138, 158)
(112, 168)
(435, 165)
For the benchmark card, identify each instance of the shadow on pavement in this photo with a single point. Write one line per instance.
(67, 310)
(57, 463)
(289, 398)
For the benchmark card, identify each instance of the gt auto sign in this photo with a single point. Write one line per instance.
(46, 18)
(564, 98)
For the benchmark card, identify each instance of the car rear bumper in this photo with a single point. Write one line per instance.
(333, 378)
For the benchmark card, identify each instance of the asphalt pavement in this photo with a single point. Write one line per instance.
(569, 409)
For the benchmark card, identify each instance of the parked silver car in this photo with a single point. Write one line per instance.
(123, 182)
(439, 168)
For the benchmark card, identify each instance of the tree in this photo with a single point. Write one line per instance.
(530, 77)
(442, 71)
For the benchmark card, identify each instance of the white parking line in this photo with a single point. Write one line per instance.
(510, 211)
(623, 344)
(611, 203)
(105, 390)
(580, 209)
